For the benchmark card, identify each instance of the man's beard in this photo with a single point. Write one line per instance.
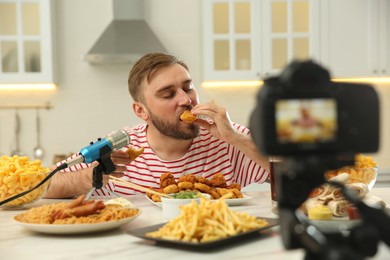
(173, 130)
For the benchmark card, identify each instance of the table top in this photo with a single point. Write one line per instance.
(16, 242)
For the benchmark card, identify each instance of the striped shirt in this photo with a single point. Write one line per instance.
(207, 156)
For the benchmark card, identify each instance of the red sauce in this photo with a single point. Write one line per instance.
(353, 212)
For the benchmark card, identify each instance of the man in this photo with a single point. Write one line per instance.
(161, 87)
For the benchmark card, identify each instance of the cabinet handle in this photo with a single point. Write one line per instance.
(375, 71)
(384, 71)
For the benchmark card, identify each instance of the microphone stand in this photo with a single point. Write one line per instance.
(106, 166)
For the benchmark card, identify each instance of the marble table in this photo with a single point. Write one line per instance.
(17, 243)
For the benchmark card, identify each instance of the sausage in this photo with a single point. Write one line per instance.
(78, 207)
(80, 211)
(76, 202)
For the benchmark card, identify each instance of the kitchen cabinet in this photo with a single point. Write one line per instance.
(26, 52)
(291, 32)
(355, 37)
(249, 39)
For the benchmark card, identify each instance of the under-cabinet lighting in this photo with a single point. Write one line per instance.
(364, 80)
(20, 87)
(258, 83)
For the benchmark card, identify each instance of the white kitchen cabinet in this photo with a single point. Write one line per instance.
(381, 28)
(26, 52)
(355, 37)
(290, 32)
(231, 44)
(249, 39)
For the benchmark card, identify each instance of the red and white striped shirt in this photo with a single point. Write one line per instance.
(207, 156)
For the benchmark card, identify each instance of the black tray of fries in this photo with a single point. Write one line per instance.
(141, 233)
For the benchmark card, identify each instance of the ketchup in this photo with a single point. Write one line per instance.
(353, 212)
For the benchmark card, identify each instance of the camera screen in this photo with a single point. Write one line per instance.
(306, 120)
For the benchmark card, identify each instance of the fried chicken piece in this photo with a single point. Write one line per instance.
(237, 193)
(166, 179)
(218, 180)
(156, 198)
(202, 187)
(235, 185)
(224, 191)
(188, 117)
(185, 185)
(204, 181)
(134, 153)
(151, 195)
(214, 194)
(171, 189)
(188, 178)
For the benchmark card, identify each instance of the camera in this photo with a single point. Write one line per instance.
(302, 112)
(316, 125)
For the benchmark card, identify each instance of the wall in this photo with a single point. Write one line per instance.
(93, 100)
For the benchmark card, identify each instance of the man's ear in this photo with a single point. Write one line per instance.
(140, 110)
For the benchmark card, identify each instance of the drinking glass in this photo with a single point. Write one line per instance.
(273, 161)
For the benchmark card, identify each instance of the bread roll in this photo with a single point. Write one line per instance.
(338, 207)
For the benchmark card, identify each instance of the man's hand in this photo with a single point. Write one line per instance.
(222, 127)
(120, 158)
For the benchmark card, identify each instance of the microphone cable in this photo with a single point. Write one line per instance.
(59, 168)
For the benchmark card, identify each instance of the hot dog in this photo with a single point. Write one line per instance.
(88, 208)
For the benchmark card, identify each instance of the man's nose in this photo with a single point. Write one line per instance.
(184, 98)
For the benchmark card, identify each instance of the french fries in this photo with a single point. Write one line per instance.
(207, 221)
(19, 174)
(363, 171)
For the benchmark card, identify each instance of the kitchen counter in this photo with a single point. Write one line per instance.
(19, 243)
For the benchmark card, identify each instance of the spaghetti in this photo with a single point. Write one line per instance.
(43, 215)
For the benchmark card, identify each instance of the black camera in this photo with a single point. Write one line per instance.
(302, 112)
(316, 125)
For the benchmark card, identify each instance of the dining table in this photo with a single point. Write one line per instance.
(18, 242)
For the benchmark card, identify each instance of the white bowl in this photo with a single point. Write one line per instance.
(171, 206)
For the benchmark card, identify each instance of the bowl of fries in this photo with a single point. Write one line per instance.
(171, 206)
(19, 174)
(364, 171)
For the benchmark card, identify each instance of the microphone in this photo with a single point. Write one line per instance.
(91, 153)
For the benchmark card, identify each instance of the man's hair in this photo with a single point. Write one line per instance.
(145, 67)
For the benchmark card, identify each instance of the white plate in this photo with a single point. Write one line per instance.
(158, 204)
(230, 202)
(330, 226)
(338, 223)
(76, 228)
(238, 202)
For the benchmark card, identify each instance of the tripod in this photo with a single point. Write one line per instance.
(295, 179)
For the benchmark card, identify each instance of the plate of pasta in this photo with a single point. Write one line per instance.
(64, 229)
(78, 216)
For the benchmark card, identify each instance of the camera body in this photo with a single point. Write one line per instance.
(316, 125)
(302, 112)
